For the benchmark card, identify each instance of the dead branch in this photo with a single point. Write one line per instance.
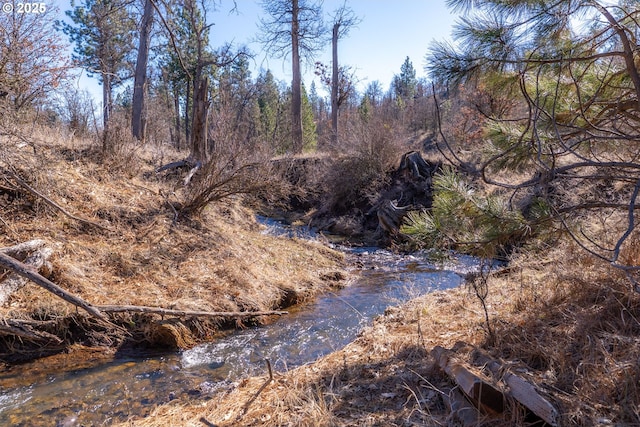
(9, 327)
(25, 271)
(257, 393)
(185, 313)
(53, 204)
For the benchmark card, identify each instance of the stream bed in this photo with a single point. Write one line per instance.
(133, 386)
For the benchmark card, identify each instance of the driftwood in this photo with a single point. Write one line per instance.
(24, 330)
(390, 216)
(31, 253)
(487, 397)
(520, 389)
(25, 271)
(484, 395)
(184, 313)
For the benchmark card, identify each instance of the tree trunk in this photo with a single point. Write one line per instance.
(140, 79)
(199, 144)
(296, 85)
(187, 109)
(176, 106)
(334, 86)
(106, 109)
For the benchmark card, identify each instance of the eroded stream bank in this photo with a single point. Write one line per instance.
(131, 386)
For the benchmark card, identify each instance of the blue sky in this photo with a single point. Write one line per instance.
(390, 31)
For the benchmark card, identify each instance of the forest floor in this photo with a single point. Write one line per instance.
(563, 321)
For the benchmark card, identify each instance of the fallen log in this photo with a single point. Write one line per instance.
(520, 389)
(484, 395)
(186, 163)
(25, 331)
(185, 313)
(20, 250)
(31, 253)
(26, 271)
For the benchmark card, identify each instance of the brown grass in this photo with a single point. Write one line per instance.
(562, 320)
(219, 261)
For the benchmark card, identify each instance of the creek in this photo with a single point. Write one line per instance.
(133, 385)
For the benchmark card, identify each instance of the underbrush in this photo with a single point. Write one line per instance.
(116, 240)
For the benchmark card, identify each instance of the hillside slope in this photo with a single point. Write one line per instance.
(118, 242)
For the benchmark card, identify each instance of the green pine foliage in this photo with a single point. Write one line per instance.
(309, 134)
(463, 219)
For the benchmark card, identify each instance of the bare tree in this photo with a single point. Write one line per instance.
(343, 20)
(32, 58)
(293, 27)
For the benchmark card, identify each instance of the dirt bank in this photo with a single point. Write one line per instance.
(139, 254)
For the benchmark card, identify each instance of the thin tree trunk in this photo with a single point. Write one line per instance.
(25, 271)
(106, 110)
(187, 107)
(334, 86)
(176, 105)
(296, 85)
(199, 144)
(140, 78)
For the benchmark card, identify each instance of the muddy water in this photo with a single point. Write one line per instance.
(128, 387)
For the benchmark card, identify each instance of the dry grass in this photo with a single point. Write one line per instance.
(220, 261)
(562, 320)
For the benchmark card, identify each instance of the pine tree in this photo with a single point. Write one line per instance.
(573, 134)
(103, 34)
(270, 108)
(405, 84)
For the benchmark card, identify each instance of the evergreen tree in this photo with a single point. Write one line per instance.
(310, 136)
(187, 57)
(103, 34)
(573, 137)
(270, 108)
(405, 84)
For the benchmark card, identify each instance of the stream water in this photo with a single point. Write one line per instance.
(132, 386)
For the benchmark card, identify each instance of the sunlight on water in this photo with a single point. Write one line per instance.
(114, 391)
